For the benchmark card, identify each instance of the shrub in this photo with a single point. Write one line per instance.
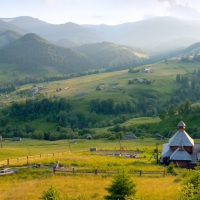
(51, 194)
(121, 187)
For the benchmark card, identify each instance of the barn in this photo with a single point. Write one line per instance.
(181, 149)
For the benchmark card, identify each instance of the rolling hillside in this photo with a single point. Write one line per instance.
(32, 53)
(7, 26)
(54, 32)
(159, 33)
(110, 55)
(8, 37)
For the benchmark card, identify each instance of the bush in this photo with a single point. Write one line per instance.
(51, 194)
(121, 188)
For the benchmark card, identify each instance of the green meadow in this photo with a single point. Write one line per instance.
(29, 183)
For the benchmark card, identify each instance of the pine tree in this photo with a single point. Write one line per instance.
(121, 187)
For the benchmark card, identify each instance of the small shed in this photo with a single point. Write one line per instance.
(129, 137)
(160, 137)
(17, 139)
(93, 149)
(80, 94)
(89, 137)
(56, 96)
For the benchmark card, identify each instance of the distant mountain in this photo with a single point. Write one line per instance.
(54, 32)
(33, 53)
(110, 55)
(159, 33)
(176, 44)
(149, 33)
(68, 43)
(28, 23)
(8, 37)
(194, 48)
(4, 26)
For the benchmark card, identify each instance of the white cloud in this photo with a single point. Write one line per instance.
(176, 9)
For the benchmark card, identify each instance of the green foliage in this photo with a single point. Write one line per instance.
(191, 185)
(51, 194)
(163, 114)
(170, 168)
(32, 52)
(121, 187)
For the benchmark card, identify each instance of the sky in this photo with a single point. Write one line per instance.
(110, 12)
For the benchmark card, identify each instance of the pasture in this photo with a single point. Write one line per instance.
(162, 82)
(29, 183)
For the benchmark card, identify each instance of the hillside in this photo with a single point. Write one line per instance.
(68, 43)
(149, 33)
(28, 23)
(8, 37)
(7, 26)
(104, 100)
(194, 48)
(32, 53)
(110, 55)
(158, 33)
(54, 32)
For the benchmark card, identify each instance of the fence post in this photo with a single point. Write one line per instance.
(73, 170)
(140, 172)
(95, 171)
(40, 155)
(53, 154)
(54, 169)
(27, 158)
(164, 173)
(8, 161)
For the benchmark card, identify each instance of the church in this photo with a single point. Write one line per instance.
(181, 149)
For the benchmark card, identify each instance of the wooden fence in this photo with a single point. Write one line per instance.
(26, 159)
(77, 171)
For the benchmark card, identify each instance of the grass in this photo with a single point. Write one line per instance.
(148, 188)
(15, 149)
(29, 183)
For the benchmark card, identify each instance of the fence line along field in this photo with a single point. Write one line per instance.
(30, 182)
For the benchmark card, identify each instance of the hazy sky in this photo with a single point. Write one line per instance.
(109, 12)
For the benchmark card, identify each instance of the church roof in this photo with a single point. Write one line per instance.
(181, 124)
(181, 138)
(181, 154)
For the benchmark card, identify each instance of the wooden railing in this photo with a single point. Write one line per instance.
(26, 159)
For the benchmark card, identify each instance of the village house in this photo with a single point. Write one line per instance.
(181, 149)
(16, 139)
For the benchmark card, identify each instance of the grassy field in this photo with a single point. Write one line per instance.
(163, 77)
(29, 183)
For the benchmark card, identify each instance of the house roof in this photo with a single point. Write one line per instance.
(181, 138)
(181, 154)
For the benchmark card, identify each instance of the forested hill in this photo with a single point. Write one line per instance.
(32, 52)
(8, 36)
(110, 55)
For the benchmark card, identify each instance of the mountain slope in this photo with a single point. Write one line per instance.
(8, 37)
(68, 43)
(7, 26)
(108, 54)
(28, 23)
(194, 48)
(32, 52)
(54, 32)
(149, 33)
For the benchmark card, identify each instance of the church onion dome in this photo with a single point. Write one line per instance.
(181, 154)
(181, 138)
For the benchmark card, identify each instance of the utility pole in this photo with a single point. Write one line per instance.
(157, 151)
